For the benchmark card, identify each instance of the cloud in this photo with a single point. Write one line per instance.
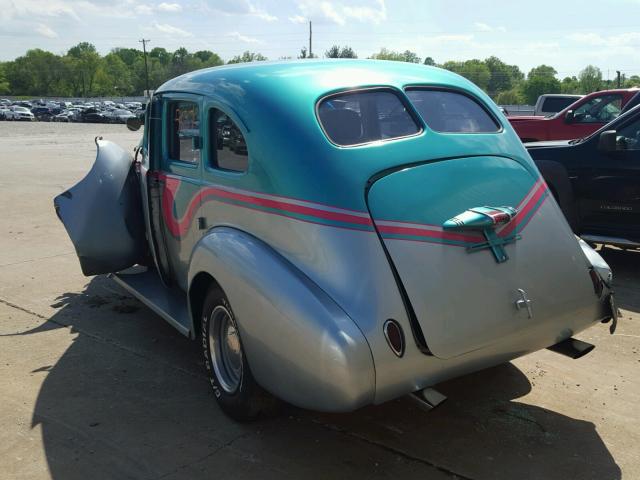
(143, 9)
(240, 7)
(339, 13)
(244, 38)
(170, 7)
(484, 27)
(596, 40)
(45, 31)
(171, 30)
(297, 19)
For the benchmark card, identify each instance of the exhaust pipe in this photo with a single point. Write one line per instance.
(428, 398)
(572, 348)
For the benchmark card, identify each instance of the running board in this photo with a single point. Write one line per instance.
(616, 241)
(428, 398)
(170, 303)
(572, 348)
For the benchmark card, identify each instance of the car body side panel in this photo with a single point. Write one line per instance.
(301, 345)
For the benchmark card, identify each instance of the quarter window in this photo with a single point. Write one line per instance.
(184, 127)
(228, 147)
(452, 112)
(366, 116)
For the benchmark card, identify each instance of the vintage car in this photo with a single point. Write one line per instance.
(378, 229)
(596, 180)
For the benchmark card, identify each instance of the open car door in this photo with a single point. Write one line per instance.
(103, 213)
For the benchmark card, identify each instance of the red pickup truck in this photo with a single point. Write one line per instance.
(578, 120)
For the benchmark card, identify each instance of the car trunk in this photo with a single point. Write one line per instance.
(465, 294)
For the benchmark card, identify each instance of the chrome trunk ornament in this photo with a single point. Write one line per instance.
(524, 302)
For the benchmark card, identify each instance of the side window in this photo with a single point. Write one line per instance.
(451, 112)
(599, 110)
(184, 131)
(628, 137)
(227, 144)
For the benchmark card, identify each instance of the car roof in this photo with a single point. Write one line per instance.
(311, 78)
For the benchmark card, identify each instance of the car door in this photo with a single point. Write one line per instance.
(609, 190)
(178, 181)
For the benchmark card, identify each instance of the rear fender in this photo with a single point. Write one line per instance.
(301, 346)
(103, 215)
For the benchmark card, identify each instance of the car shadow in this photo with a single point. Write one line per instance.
(129, 399)
(625, 265)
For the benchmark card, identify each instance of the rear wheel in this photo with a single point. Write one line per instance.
(233, 384)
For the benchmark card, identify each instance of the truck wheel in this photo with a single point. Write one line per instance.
(236, 391)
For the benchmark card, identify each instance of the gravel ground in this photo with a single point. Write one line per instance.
(94, 385)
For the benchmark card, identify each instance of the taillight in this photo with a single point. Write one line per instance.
(598, 284)
(395, 337)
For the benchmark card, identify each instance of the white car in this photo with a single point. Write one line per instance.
(3, 113)
(20, 113)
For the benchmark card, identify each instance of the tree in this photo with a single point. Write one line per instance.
(590, 79)
(429, 61)
(337, 52)
(503, 77)
(162, 55)
(406, 56)
(474, 70)
(306, 54)
(509, 97)
(540, 80)
(85, 62)
(570, 85)
(248, 56)
(4, 83)
(632, 81)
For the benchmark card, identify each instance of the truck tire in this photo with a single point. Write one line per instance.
(234, 387)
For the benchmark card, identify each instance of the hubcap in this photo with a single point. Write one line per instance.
(225, 349)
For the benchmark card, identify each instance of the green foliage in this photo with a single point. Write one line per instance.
(337, 52)
(474, 70)
(590, 79)
(406, 56)
(248, 57)
(509, 97)
(540, 80)
(82, 71)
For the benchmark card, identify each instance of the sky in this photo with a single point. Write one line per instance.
(565, 34)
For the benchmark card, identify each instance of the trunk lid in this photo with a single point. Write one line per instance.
(468, 292)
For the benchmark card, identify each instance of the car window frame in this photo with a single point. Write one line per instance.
(169, 163)
(470, 96)
(378, 88)
(209, 105)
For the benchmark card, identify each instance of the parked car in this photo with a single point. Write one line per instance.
(578, 120)
(17, 113)
(551, 103)
(118, 116)
(596, 180)
(372, 240)
(92, 115)
(3, 112)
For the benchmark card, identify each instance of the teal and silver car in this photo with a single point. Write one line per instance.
(337, 233)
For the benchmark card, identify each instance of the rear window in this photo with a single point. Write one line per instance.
(451, 112)
(555, 104)
(355, 118)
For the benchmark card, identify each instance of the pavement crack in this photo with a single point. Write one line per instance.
(212, 453)
(393, 450)
(103, 340)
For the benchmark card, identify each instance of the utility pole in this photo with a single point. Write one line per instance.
(618, 72)
(310, 33)
(146, 67)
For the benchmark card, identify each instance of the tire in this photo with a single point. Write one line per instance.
(235, 389)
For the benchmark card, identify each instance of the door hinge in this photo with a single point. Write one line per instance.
(202, 223)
